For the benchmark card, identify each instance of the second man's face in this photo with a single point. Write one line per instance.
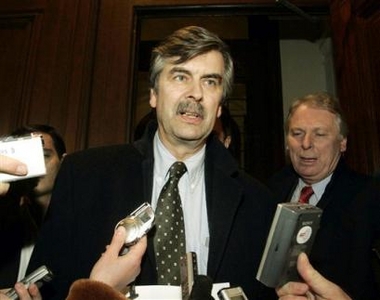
(315, 143)
(188, 99)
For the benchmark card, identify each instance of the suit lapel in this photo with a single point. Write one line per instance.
(221, 216)
(223, 195)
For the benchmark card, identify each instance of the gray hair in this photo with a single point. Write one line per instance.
(185, 44)
(320, 100)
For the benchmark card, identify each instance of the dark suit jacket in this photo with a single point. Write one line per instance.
(18, 227)
(98, 187)
(341, 250)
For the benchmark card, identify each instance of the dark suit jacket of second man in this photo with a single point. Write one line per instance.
(340, 253)
(98, 187)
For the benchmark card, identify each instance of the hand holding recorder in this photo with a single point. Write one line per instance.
(27, 288)
(315, 286)
(24, 293)
(28, 150)
(115, 270)
(10, 166)
(119, 270)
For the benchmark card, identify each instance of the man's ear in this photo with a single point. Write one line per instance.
(219, 113)
(153, 98)
(227, 141)
(343, 145)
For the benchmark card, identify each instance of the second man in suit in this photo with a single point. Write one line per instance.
(316, 138)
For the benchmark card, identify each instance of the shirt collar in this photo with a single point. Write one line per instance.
(163, 159)
(318, 188)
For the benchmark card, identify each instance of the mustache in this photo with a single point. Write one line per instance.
(190, 107)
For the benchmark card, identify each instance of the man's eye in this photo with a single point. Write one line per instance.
(320, 134)
(212, 82)
(47, 154)
(296, 133)
(179, 78)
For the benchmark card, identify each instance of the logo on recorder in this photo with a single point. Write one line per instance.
(304, 234)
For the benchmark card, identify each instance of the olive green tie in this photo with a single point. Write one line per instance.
(169, 239)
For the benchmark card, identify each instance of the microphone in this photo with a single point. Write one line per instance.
(201, 288)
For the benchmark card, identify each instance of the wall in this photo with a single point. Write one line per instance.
(306, 63)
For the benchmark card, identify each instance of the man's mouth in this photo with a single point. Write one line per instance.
(190, 114)
(308, 159)
(190, 110)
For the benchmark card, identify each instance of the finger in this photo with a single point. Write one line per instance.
(311, 276)
(3, 297)
(12, 166)
(4, 187)
(22, 291)
(34, 292)
(117, 242)
(139, 248)
(292, 288)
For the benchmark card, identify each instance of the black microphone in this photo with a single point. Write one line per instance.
(201, 289)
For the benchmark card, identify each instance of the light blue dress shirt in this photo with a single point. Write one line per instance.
(193, 197)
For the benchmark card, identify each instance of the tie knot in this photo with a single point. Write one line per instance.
(177, 170)
(306, 193)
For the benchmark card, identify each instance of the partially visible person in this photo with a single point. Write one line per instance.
(23, 207)
(314, 283)
(11, 166)
(109, 276)
(54, 151)
(226, 213)
(228, 133)
(316, 139)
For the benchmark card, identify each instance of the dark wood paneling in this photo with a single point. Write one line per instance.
(110, 107)
(46, 69)
(62, 79)
(357, 48)
(18, 34)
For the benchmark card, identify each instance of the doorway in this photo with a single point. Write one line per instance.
(261, 43)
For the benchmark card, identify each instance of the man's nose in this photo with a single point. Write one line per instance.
(307, 141)
(195, 91)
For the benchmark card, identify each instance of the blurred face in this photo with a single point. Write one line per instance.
(188, 100)
(52, 163)
(314, 143)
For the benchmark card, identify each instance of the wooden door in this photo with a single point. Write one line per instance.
(46, 58)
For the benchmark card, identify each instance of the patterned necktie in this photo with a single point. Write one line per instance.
(169, 240)
(306, 193)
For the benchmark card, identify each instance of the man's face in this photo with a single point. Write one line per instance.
(314, 143)
(188, 99)
(52, 163)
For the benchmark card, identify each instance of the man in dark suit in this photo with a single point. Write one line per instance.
(316, 137)
(227, 214)
(23, 208)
